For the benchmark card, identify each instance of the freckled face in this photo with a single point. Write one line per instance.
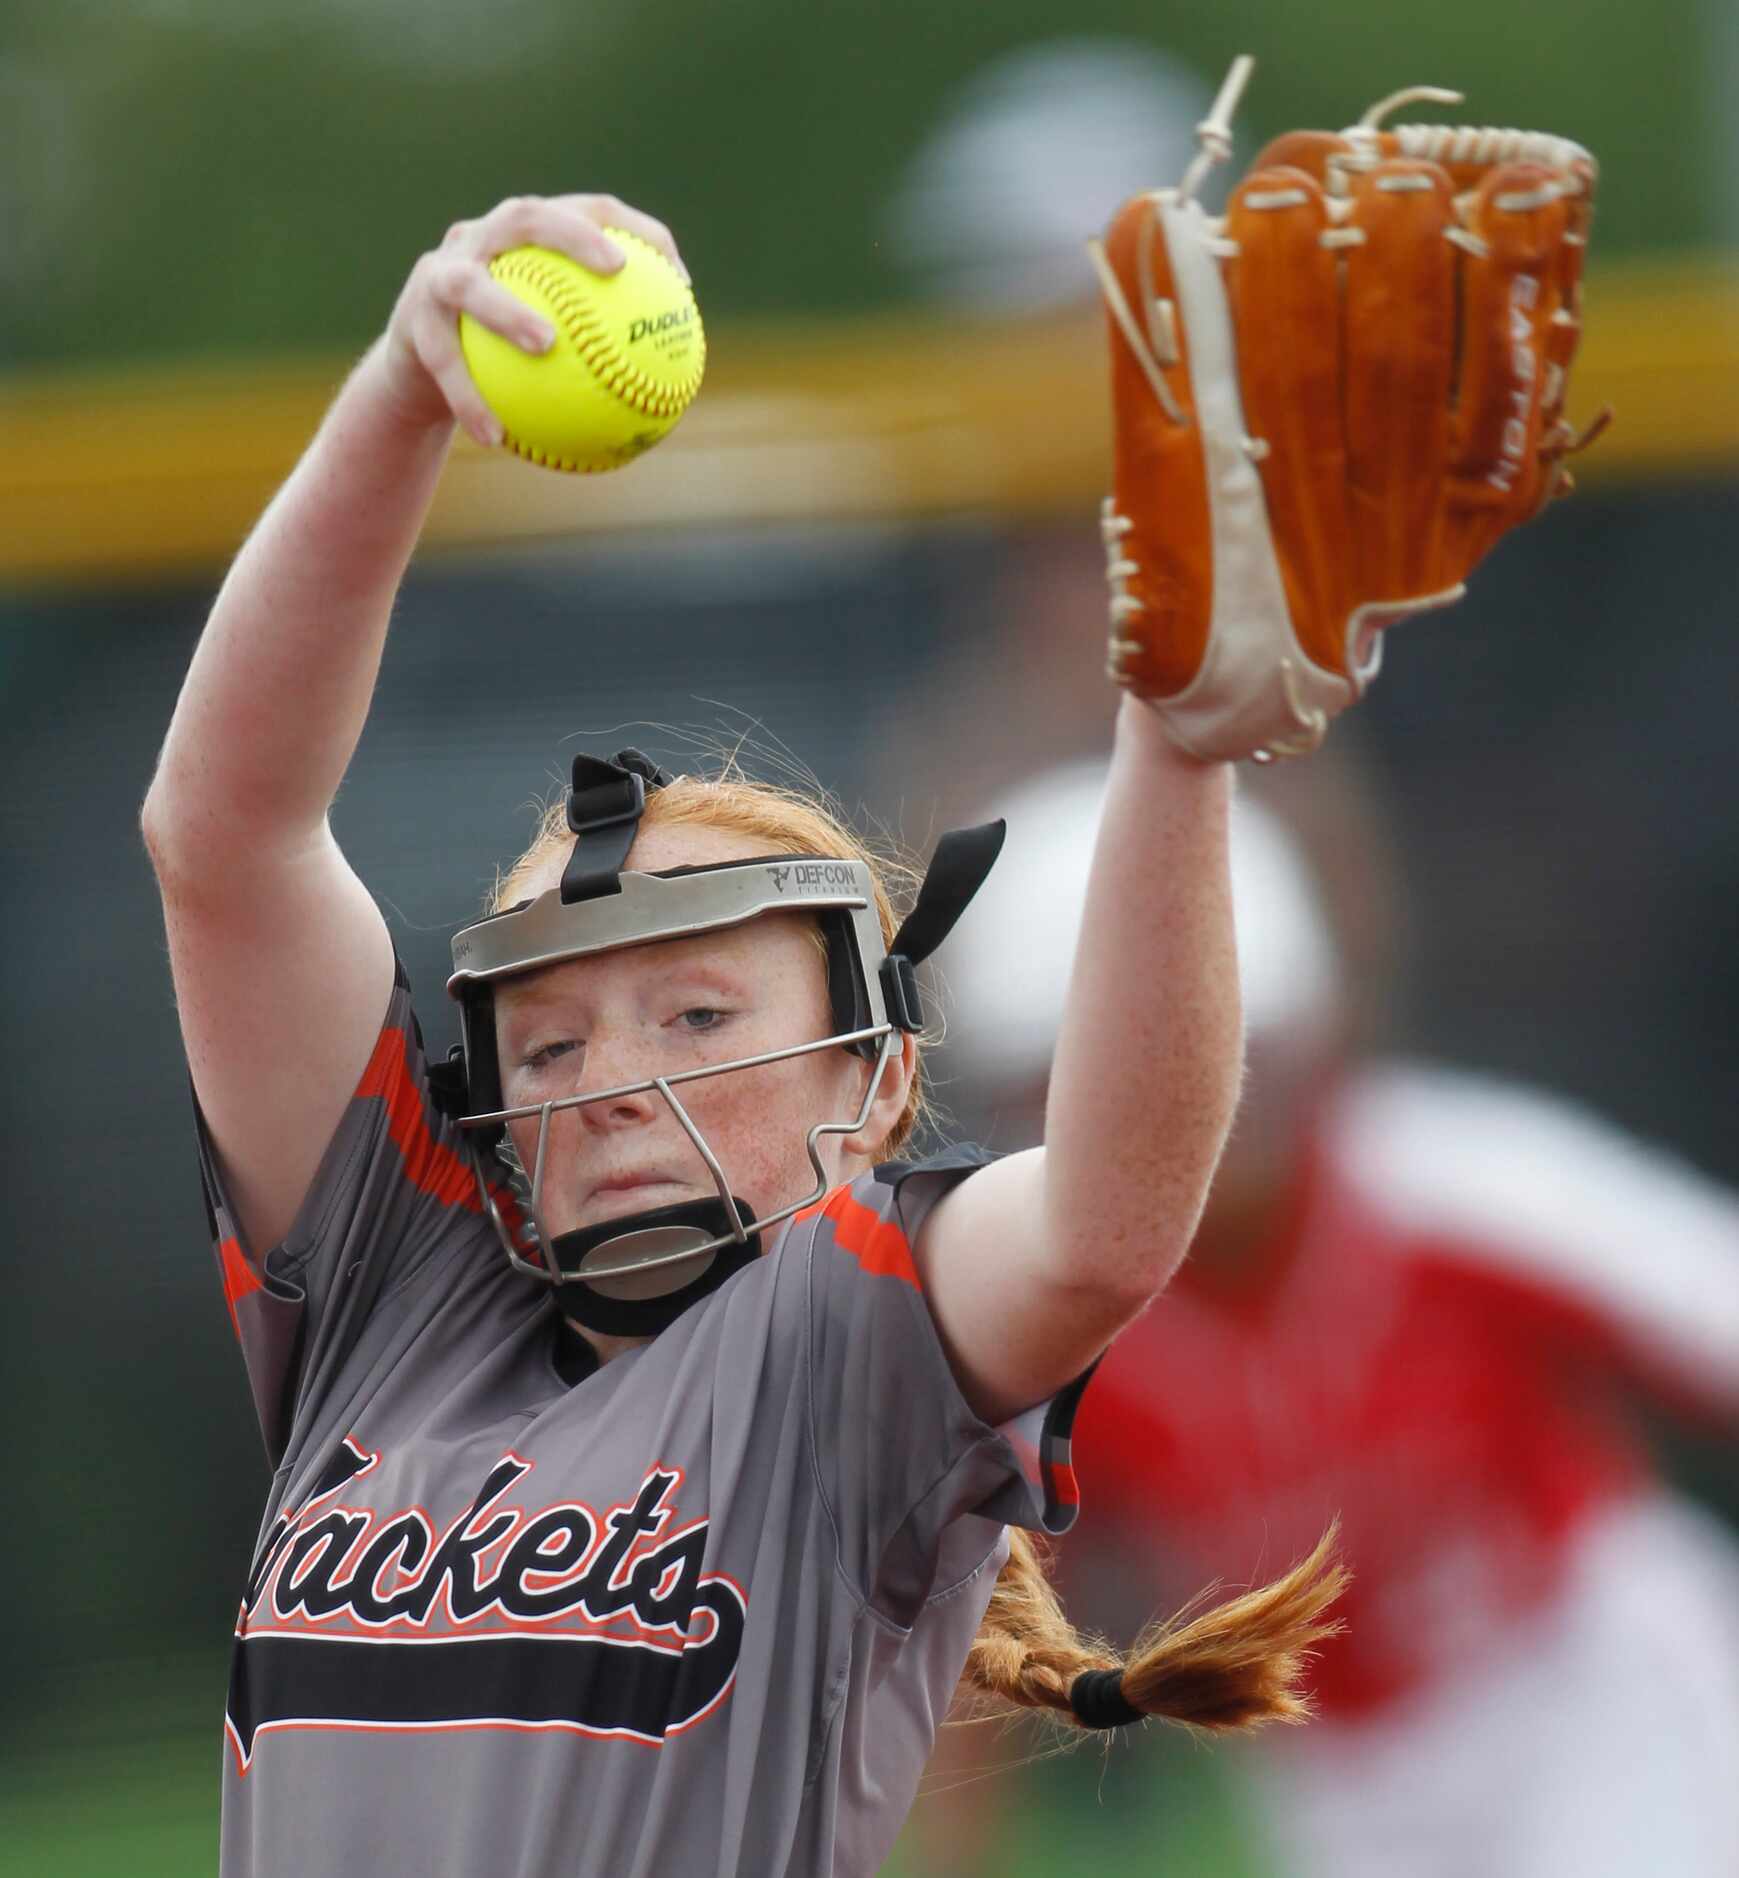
(660, 1009)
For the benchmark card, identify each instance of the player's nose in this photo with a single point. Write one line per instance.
(610, 1067)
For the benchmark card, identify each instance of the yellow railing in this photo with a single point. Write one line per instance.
(147, 475)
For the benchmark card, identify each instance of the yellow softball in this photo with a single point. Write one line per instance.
(627, 360)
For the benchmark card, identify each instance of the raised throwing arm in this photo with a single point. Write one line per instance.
(1035, 1263)
(281, 961)
(1329, 403)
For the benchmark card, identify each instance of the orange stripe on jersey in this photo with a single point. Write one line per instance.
(820, 1206)
(239, 1278)
(877, 1244)
(434, 1169)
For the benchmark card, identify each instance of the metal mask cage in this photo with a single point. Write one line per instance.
(547, 1266)
(648, 909)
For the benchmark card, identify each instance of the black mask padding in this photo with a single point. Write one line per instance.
(644, 1311)
(472, 1071)
(605, 804)
(447, 1087)
(847, 996)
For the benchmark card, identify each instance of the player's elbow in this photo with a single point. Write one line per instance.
(1124, 1244)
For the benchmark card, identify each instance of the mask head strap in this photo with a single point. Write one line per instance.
(605, 803)
(963, 858)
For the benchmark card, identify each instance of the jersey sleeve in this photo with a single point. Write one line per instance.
(394, 1192)
(1640, 1247)
(899, 1453)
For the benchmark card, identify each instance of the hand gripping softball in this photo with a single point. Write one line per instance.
(1329, 403)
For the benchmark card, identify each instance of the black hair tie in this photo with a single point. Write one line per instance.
(1096, 1696)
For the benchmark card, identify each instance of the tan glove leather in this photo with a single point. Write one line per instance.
(1329, 404)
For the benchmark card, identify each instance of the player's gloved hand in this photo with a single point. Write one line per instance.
(427, 379)
(1328, 406)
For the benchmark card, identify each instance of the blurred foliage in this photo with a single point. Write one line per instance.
(188, 177)
(117, 1772)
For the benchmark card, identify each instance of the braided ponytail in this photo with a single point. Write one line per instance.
(1233, 1666)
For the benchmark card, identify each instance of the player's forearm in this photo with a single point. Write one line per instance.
(1149, 1054)
(280, 684)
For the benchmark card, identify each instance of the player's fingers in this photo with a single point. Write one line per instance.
(1398, 306)
(458, 285)
(1508, 298)
(613, 212)
(542, 222)
(435, 339)
(451, 285)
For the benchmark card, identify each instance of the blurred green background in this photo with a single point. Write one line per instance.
(198, 177)
(237, 181)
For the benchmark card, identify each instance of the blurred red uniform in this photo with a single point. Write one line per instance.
(1443, 1343)
(1430, 1303)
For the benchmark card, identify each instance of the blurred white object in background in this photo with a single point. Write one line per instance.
(1035, 152)
(1006, 998)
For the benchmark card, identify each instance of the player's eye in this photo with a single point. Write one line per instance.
(701, 1017)
(545, 1054)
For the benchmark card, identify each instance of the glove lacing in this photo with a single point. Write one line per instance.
(1119, 570)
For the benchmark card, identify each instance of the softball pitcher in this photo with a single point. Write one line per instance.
(653, 1445)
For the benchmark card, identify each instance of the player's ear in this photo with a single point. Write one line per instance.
(890, 1100)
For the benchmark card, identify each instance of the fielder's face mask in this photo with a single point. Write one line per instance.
(633, 1275)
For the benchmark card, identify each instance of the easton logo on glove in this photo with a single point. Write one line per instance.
(1329, 403)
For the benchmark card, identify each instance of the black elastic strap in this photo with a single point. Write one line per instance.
(1096, 1696)
(963, 858)
(605, 803)
(643, 766)
(959, 867)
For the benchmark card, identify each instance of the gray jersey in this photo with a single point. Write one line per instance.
(697, 1611)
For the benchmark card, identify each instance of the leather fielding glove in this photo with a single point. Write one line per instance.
(1329, 403)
